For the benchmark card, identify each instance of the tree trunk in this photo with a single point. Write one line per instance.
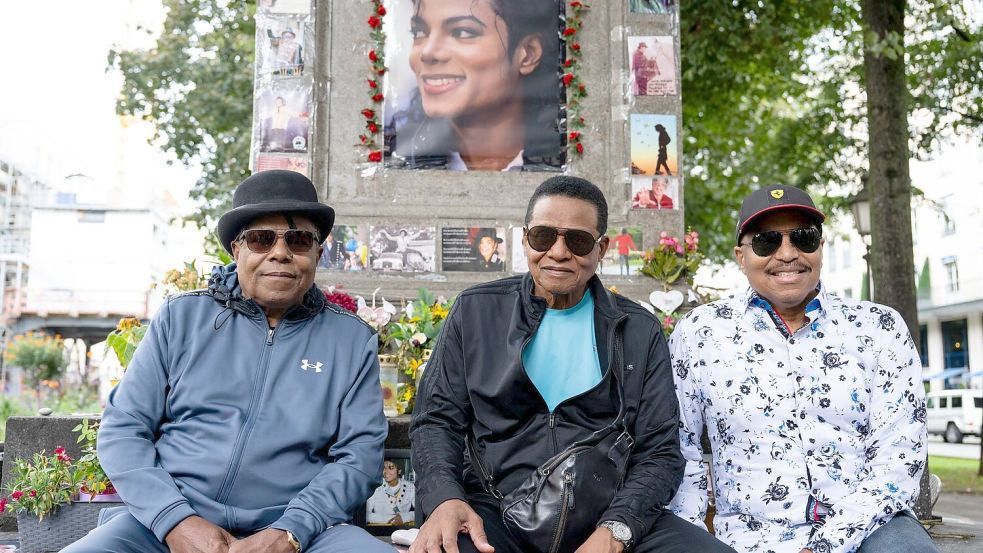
(889, 184)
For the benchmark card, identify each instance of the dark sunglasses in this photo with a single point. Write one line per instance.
(806, 240)
(262, 240)
(579, 242)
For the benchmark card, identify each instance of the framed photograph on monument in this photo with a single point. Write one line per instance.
(284, 119)
(624, 255)
(474, 85)
(652, 60)
(393, 504)
(655, 192)
(654, 145)
(395, 249)
(480, 249)
(281, 47)
(296, 163)
(651, 6)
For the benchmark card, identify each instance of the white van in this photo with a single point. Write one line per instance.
(955, 413)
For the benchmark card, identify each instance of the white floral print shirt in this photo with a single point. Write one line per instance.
(818, 436)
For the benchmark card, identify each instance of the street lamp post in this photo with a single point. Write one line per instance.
(860, 207)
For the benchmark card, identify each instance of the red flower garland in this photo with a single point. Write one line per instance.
(377, 58)
(576, 90)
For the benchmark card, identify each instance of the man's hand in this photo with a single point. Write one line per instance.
(446, 521)
(196, 535)
(601, 541)
(271, 539)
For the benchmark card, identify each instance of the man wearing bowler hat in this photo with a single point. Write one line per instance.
(250, 419)
(813, 403)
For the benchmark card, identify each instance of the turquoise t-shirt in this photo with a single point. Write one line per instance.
(561, 359)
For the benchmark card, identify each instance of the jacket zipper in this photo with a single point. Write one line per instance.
(566, 504)
(246, 429)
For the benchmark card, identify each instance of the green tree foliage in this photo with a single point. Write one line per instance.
(773, 92)
(196, 86)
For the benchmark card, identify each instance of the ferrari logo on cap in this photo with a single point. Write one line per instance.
(777, 194)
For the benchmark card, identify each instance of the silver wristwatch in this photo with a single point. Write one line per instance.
(619, 530)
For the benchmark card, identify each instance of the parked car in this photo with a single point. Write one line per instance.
(955, 413)
(388, 261)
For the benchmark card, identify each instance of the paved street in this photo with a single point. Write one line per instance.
(969, 449)
(962, 523)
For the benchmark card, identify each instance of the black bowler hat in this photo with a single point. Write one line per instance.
(775, 198)
(269, 192)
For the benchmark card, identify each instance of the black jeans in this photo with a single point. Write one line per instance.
(670, 534)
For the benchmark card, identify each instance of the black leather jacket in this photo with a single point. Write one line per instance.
(475, 381)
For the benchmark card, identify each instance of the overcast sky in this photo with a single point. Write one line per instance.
(57, 102)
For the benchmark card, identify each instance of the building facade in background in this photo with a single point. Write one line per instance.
(947, 222)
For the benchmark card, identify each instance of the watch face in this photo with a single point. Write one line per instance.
(619, 530)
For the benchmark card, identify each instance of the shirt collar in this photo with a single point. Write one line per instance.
(820, 303)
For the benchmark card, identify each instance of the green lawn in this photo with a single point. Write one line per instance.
(958, 475)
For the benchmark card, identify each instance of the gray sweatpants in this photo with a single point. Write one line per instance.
(119, 532)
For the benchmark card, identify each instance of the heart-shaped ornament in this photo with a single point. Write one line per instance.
(667, 302)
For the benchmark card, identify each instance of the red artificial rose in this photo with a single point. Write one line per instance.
(3, 504)
(568, 63)
(374, 22)
(375, 156)
(575, 4)
(373, 84)
(381, 71)
(574, 135)
(569, 31)
(17, 495)
(373, 56)
(381, 10)
(582, 89)
(575, 46)
(59, 450)
(363, 138)
(567, 79)
(368, 113)
(372, 127)
(377, 97)
(580, 148)
(33, 493)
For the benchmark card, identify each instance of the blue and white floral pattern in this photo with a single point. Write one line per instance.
(818, 436)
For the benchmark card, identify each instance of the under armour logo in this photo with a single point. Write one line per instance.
(630, 367)
(304, 364)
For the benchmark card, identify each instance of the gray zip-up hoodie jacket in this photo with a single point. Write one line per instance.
(220, 416)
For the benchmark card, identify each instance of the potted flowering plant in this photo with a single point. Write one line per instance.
(43, 494)
(94, 485)
(673, 259)
(415, 333)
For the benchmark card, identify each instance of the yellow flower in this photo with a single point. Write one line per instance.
(439, 310)
(127, 323)
(614, 289)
